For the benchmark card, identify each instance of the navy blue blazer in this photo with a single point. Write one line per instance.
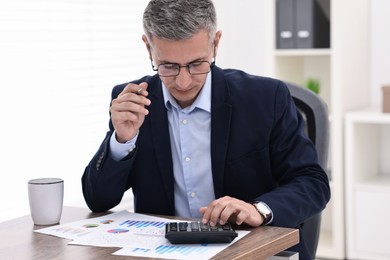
(259, 152)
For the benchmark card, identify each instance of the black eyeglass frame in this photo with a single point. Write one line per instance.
(178, 67)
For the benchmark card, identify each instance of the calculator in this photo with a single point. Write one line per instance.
(195, 232)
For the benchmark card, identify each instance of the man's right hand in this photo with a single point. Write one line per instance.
(128, 111)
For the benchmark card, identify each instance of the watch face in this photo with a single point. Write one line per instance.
(263, 208)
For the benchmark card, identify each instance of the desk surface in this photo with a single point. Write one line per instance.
(18, 241)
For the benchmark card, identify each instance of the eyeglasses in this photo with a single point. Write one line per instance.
(173, 69)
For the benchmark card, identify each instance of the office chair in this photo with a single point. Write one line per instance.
(315, 113)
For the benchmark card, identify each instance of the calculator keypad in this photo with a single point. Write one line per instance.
(197, 232)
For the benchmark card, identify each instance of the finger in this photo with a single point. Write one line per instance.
(240, 216)
(206, 214)
(133, 104)
(213, 212)
(246, 213)
(202, 210)
(129, 96)
(215, 215)
(229, 212)
(135, 89)
(126, 117)
(130, 88)
(142, 89)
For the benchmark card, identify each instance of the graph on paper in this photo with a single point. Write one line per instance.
(169, 251)
(145, 227)
(182, 250)
(137, 235)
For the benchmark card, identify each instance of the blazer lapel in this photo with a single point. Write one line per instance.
(220, 128)
(161, 142)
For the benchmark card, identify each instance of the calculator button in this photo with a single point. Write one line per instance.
(183, 226)
(204, 227)
(173, 227)
(194, 226)
(226, 227)
(214, 228)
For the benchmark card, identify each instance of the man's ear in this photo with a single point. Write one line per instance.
(147, 44)
(218, 36)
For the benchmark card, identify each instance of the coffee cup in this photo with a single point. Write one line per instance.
(46, 197)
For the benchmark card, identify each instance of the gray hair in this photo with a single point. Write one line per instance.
(179, 19)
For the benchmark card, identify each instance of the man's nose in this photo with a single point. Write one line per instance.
(183, 80)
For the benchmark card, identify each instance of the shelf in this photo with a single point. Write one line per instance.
(303, 52)
(345, 85)
(369, 115)
(379, 183)
(298, 66)
(367, 183)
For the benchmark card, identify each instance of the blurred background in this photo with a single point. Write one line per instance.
(60, 59)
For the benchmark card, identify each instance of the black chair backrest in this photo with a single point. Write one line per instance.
(315, 112)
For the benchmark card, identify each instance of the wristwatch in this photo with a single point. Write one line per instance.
(264, 210)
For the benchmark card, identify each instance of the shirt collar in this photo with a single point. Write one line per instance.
(203, 100)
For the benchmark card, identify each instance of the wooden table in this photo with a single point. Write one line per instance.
(18, 241)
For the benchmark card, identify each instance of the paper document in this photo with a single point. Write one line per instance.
(137, 234)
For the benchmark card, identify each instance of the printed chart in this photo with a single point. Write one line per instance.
(136, 234)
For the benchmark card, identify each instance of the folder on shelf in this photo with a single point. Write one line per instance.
(307, 20)
(285, 28)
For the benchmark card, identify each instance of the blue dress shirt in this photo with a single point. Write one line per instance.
(189, 131)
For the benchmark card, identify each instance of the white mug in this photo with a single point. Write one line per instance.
(46, 197)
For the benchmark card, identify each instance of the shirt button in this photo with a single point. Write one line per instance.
(187, 159)
(193, 194)
(184, 121)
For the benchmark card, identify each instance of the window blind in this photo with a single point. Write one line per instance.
(59, 60)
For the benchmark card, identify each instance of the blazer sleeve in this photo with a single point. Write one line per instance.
(303, 186)
(105, 180)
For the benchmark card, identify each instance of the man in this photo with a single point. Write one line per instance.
(198, 141)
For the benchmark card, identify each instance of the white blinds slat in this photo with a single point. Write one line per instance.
(59, 60)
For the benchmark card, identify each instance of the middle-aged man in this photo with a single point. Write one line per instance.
(195, 140)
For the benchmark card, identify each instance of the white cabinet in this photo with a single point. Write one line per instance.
(367, 184)
(342, 69)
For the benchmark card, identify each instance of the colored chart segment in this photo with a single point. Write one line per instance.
(108, 221)
(70, 232)
(143, 250)
(143, 224)
(90, 225)
(182, 250)
(118, 231)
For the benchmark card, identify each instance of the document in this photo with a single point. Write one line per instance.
(137, 235)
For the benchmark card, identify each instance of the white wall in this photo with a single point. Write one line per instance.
(245, 32)
(380, 49)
